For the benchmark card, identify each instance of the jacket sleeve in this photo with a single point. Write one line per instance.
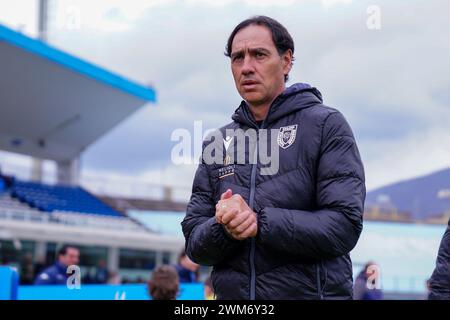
(334, 228)
(207, 242)
(440, 280)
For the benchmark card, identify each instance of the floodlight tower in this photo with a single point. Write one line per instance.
(67, 171)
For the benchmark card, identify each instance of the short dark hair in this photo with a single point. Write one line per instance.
(63, 250)
(164, 283)
(280, 36)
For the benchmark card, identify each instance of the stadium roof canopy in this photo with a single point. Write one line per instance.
(54, 105)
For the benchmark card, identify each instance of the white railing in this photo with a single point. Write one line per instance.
(135, 188)
(24, 215)
(119, 223)
(88, 220)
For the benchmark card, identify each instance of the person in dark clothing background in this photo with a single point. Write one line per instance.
(440, 279)
(101, 272)
(27, 269)
(41, 264)
(186, 269)
(367, 284)
(57, 274)
(285, 232)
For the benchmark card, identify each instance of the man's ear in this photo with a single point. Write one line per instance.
(288, 59)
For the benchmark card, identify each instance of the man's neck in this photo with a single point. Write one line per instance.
(260, 111)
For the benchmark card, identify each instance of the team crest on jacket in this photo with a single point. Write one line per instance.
(286, 136)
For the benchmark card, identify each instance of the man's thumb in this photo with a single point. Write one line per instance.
(227, 194)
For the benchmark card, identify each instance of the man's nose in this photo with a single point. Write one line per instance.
(248, 66)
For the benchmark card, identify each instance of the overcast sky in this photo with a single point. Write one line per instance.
(392, 84)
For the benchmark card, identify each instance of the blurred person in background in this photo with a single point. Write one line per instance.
(89, 276)
(367, 283)
(40, 265)
(187, 269)
(101, 273)
(57, 273)
(27, 269)
(440, 280)
(164, 283)
(114, 278)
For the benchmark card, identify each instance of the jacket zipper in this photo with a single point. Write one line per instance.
(319, 286)
(251, 204)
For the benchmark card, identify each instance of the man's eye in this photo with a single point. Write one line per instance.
(237, 58)
(259, 54)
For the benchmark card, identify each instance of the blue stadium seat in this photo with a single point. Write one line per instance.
(61, 198)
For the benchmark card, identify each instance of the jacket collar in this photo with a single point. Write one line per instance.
(296, 97)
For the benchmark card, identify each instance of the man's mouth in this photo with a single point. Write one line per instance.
(249, 84)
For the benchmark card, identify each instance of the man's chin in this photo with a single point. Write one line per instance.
(252, 98)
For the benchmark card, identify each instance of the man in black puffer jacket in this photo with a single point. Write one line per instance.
(440, 280)
(279, 229)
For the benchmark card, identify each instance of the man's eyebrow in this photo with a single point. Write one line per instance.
(236, 53)
(252, 50)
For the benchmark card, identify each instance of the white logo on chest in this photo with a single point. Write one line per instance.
(286, 136)
(227, 142)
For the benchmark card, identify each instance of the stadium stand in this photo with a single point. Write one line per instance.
(11, 205)
(65, 205)
(8, 202)
(60, 198)
(13, 209)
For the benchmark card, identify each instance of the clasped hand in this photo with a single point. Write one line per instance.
(238, 219)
